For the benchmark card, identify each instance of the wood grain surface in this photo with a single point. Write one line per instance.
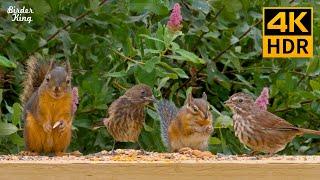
(140, 171)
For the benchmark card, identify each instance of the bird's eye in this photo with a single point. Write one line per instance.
(240, 100)
(143, 93)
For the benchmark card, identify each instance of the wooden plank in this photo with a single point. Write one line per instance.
(156, 170)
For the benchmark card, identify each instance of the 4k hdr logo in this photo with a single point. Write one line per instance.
(287, 32)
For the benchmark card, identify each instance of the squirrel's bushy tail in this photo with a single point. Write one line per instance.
(167, 112)
(34, 76)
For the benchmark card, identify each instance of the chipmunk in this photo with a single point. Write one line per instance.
(190, 126)
(47, 107)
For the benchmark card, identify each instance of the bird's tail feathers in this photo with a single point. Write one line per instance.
(309, 131)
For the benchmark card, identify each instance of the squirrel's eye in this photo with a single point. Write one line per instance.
(240, 100)
(47, 79)
(195, 108)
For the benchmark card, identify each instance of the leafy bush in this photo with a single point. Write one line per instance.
(113, 45)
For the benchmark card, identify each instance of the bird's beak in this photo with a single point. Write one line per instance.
(227, 102)
(150, 99)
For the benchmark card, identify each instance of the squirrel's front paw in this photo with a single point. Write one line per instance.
(60, 125)
(209, 129)
(47, 127)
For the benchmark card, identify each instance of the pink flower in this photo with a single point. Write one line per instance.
(75, 99)
(263, 100)
(174, 23)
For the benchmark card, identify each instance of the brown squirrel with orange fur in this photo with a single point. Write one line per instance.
(47, 104)
(188, 127)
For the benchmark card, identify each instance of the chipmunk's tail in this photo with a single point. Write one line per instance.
(167, 112)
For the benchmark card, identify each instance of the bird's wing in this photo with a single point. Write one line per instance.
(270, 121)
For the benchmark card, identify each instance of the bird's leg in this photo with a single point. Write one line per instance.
(113, 152)
(253, 153)
(142, 151)
(269, 155)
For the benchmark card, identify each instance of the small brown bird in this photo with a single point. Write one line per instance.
(126, 114)
(259, 129)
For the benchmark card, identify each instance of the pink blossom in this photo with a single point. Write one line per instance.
(263, 100)
(75, 99)
(174, 23)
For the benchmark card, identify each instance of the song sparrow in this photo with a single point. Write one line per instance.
(259, 129)
(126, 114)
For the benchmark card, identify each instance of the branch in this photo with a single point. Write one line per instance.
(220, 54)
(66, 26)
(203, 33)
(224, 51)
(125, 57)
(302, 103)
(240, 38)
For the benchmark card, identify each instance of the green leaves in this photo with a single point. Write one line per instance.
(156, 7)
(315, 85)
(314, 66)
(151, 38)
(150, 64)
(223, 121)
(1, 97)
(39, 6)
(186, 56)
(7, 63)
(83, 41)
(7, 129)
(17, 114)
(145, 77)
(233, 5)
(189, 56)
(117, 74)
(215, 140)
(201, 5)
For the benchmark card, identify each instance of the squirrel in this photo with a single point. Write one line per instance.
(47, 107)
(188, 127)
(126, 114)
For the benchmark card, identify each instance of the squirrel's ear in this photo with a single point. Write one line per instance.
(204, 96)
(189, 98)
(68, 67)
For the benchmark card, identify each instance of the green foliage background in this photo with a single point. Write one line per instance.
(117, 43)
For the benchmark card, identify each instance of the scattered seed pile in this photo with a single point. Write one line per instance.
(129, 155)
